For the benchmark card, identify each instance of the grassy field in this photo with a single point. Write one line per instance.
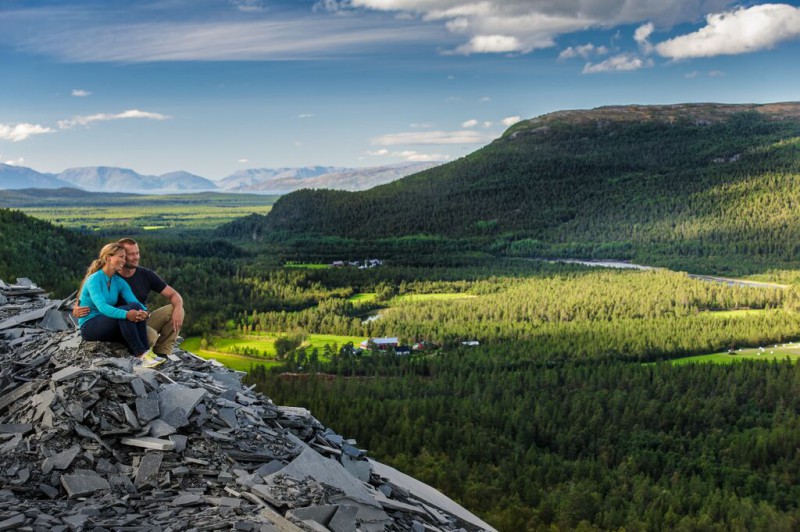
(411, 298)
(363, 298)
(222, 348)
(774, 352)
(97, 211)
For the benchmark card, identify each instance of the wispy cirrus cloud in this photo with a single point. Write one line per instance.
(259, 35)
(80, 93)
(20, 132)
(432, 137)
(105, 117)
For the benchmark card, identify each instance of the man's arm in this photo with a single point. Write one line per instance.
(176, 301)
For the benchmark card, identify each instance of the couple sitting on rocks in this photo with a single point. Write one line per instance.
(111, 308)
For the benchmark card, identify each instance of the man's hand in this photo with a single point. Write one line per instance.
(80, 312)
(177, 319)
(136, 315)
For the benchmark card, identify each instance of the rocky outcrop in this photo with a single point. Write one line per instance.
(89, 440)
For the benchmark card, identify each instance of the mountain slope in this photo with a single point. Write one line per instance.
(285, 180)
(695, 179)
(17, 177)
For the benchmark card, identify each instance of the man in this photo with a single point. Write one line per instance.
(164, 323)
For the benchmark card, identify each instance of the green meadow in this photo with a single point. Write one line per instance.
(224, 348)
(770, 353)
(152, 213)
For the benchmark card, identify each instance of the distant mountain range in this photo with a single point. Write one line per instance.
(256, 180)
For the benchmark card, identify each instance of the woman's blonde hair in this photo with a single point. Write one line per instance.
(102, 258)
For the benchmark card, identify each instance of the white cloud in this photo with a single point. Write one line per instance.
(424, 125)
(470, 123)
(511, 120)
(19, 132)
(521, 26)
(485, 99)
(15, 162)
(305, 115)
(743, 30)
(80, 93)
(487, 124)
(103, 117)
(642, 37)
(431, 137)
(691, 75)
(410, 155)
(618, 63)
(243, 161)
(716, 73)
(491, 44)
(585, 51)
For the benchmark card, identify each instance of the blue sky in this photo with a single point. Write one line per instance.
(215, 86)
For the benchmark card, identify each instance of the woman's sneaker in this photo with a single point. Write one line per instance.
(150, 359)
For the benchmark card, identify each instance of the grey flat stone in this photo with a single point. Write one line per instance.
(358, 468)
(11, 428)
(130, 416)
(66, 373)
(147, 475)
(149, 443)
(159, 429)
(54, 321)
(312, 464)
(147, 409)
(344, 520)
(177, 418)
(180, 442)
(269, 468)
(321, 514)
(228, 416)
(13, 522)
(187, 499)
(81, 484)
(172, 396)
(121, 483)
(138, 387)
(61, 460)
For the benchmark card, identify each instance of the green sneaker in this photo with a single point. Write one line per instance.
(151, 360)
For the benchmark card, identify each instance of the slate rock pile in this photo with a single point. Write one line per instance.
(90, 440)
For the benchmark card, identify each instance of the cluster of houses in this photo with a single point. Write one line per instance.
(392, 343)
(360, 264)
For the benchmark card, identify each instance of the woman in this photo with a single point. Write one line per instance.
(100, 290)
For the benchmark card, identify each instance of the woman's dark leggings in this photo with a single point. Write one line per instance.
(104, 329)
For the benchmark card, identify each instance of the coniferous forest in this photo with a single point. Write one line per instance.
(571, 413)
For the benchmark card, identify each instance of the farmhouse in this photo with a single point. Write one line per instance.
(380, 343)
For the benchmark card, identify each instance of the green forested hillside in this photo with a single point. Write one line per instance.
(678, 185)
(53, 257)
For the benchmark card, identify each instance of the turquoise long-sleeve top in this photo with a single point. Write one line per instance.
(100, 296)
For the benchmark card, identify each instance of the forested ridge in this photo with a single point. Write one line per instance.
(675, 185)
(51, 256)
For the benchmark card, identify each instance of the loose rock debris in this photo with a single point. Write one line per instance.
(90, 440)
